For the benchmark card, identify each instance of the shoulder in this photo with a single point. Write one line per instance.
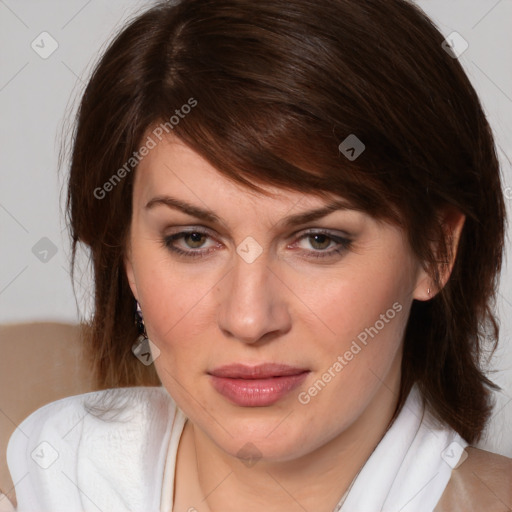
(482, 481)
(104, 409)
(98, 441)
(96, 414)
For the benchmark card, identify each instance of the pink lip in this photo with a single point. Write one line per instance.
(256, 386)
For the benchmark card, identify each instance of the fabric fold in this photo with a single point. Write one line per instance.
(410, 467)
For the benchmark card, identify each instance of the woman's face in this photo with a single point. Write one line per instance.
(251, 284)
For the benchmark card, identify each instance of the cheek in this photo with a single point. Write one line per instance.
(177, 311)
(366, 313)
(362, 302)
(165, 289)
(176, 305)
(176, 314)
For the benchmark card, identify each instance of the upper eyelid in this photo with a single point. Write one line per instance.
(340, 233)
(190, 229)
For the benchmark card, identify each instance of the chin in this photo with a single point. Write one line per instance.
(267, 433)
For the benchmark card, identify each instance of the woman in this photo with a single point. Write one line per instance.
(301, 204)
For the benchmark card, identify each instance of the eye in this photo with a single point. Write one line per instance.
(194, 240)
(191, 243)
(319, 241)
(324, 244)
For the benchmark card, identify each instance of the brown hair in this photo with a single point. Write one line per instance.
(275, 88)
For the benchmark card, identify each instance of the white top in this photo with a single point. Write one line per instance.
(115, 451)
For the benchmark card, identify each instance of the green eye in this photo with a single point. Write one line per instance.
(322, 240)
(194, 240)
(319, 241)
(190, 240)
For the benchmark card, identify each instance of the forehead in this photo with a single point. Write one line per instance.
(173, 168)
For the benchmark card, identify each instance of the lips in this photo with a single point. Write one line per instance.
(262, 371)
(256, 386)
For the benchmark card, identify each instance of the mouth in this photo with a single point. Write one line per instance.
(256, 386)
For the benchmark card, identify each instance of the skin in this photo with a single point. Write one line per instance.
(286, 306)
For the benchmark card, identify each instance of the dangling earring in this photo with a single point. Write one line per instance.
(145, 351)
(428, 293)
(139, 321)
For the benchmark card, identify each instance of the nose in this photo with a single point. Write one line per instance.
(253, 302)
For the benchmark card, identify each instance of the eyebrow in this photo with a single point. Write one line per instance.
(209, 216)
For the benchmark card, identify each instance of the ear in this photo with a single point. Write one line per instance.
(452, 221)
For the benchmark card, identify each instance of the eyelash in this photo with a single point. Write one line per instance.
(343, 244)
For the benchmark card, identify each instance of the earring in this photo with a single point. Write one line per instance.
(143, 349)
(428, 292)
(139, 322)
